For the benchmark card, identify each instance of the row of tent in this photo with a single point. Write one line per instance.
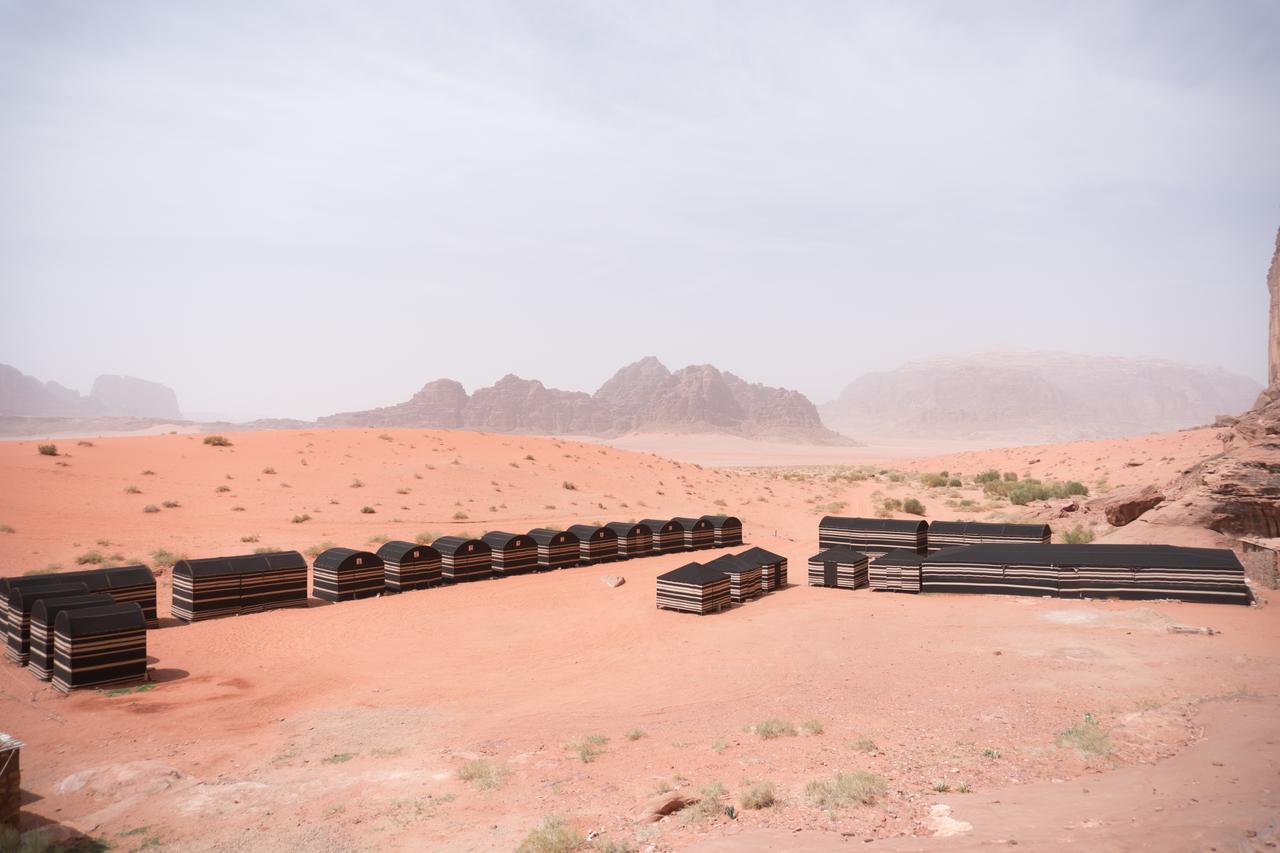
(729, 579)
(1015, 559)
(228, 586)
(80, 629)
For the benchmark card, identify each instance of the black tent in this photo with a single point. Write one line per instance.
(512, 553)
(873, 536)
(557, 549)
(18, 613)
(773, 567)
(952, 534)
(271, 581)
(693, 588)
(43, 616)
(409, 565)
(206, 588)
(697, 533)
(727, 530)
(122, 583)
(896, 571)
(463, 559)
(99, 647)
(595, 544)
(668, 535)
(345, 574)
(744, 577)
(634, 540)
(838, 566)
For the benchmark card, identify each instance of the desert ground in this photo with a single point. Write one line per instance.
(466, 717)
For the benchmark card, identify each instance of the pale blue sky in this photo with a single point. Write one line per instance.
(295, 208)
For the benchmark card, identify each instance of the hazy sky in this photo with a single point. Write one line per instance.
(295, 208)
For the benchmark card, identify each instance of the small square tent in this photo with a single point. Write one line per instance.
(557, 549)
(463, 559)
(634, 540)
(838, 566)
(345, 574)
(697, 533)
(99, 647)
(773, 567)
(271, 581)
(896, 571)
(122, 583)
(873, 536)
(693, 588)
(512, 553)
(409, 566)
(595, 544)
(43, 617)
(953, 534)
(727, 530)
(668, 536)
(207, 588)
(744, 577)
(21, 600)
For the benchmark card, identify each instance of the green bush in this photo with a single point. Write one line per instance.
(1078, 535)
(913, 506)
(47, 449)
(217, 441)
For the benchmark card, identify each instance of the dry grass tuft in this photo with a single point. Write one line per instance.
(758, 796)
(587, 747)
(1086, 736)
(845, 789)
(484, 774)
(553, 835)
(775, 728)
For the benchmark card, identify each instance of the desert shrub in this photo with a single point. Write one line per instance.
(237, 509)
(845, 789)
(939, 785)
(774, 728)
(90, 558)
(165, 559)
(7, 528)
(339, 758)
(170, 504)
(84, 443)
(484, 774)
(963, 788)
(47, 449)
(1010, 477)
(357, 483)
(587, 747)
(710, 804)
(253, 537)
(758, 796)
(223, 489)
(954, 483)
(553, 835)
(991, 475)
(1078, 535)
(368, 510)
(316, 550)
(913, 506)
(426, 537)
(299, 519)
(217, 441)
(990, 752)
(635, 734)
(268, 470)
(862, 744)
(460, 516)
(386, 437)
(568, 486)
(1086, 736)
(148, 473)
(132, 490)
(149, 508)
(933, 481)
(811, 727)
(378, 539)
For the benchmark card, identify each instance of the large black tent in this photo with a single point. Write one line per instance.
(99, 647)
(213, 587)
(43, 617)
(345, 574)
(408, 565)
(697, 533)
(22, 598)
(727, 530)
(557, 549)
(271, 581)
(896, 571)
(463, 559)
(951, 534)
(693, 588)
(838, 566)
(122, 583)
(744, 577)
(873, 535)
(668, 535)
(595, 544)
(773, 567)
(512, 553)
(634, 540)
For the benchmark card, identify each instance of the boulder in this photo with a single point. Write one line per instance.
(1124, 505)
(613, 581)
(663, 805)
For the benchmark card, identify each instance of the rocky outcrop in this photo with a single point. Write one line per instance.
(112, 396)
(1273, 338)
(644, 396)
(1035, 397)
(1122, 506)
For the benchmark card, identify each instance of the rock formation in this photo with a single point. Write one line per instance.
(1273, 341)
(644, 396)
(128, 395)
(1032, 397)
(112, 396)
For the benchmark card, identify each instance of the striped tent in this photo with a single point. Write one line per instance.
(512, 553)
(838, 566)
(1090, 571)
(271, 581)
(22, 599)
(698, 533)
(693, 588)
(463, 559)
(744, 577)
(873, 536)
(43, 617)
(207, 588)
(595, 544)
(408, 566)
(896, 571)
(634, 540)
(668, 536)
(773, 567)
(952, 534)
(727, 530)
(557, 549)
(99, 647)
(345, 574)
(122, 583)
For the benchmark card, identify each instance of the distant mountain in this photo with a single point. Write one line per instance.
(1035, 396)
(644, 396)
(116, 396)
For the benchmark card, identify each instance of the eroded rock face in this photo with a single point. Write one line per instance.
(1125, 505)
(129, 395)
(1273, 340)
(112, 396)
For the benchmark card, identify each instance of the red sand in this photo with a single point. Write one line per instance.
(343, 727)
